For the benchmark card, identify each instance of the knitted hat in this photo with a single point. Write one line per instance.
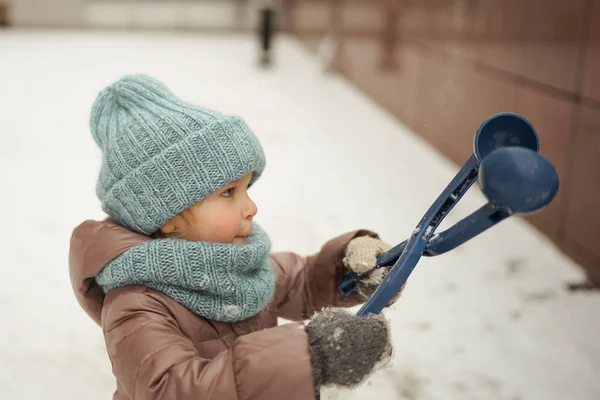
(161, 155)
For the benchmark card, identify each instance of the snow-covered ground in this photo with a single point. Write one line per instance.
(491, 320)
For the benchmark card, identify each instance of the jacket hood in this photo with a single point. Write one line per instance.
(93, 245)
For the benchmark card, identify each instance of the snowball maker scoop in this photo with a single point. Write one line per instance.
(513, 176)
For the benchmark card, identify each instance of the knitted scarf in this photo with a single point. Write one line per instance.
(222, 282)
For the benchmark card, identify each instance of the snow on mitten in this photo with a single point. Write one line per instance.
(361, 258)
(345, 348)
(361, 254)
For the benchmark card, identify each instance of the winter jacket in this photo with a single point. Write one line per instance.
(160, 350)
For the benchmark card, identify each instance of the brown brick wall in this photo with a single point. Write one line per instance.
(458, 62)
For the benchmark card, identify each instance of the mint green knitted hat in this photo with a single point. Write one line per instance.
(161, 155)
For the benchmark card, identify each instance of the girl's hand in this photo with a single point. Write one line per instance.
(345, 348)
(361, 259)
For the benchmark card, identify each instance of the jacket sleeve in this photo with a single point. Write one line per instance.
(305, 285)
(153, 359)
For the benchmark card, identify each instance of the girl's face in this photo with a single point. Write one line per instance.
(223, 217)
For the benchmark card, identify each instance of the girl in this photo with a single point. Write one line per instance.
(181, 278)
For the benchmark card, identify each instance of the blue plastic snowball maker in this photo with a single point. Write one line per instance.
(514, 178)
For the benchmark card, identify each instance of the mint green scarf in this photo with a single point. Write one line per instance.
(222, 282)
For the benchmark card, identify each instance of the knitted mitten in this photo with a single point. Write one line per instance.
(345, 348)
(361, 259)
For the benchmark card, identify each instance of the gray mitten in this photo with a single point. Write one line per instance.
(345, 348)
(361, 258)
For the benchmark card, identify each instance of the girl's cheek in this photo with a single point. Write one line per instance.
(229, 226)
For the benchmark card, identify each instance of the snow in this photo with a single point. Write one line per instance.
(337, 333)
(490, 320)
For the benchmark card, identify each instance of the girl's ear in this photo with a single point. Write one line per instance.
(169, 228)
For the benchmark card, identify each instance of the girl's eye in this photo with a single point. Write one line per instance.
(229, 192)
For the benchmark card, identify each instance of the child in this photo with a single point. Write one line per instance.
(180, 277)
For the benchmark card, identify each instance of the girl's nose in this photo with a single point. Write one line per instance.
(250, 210)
